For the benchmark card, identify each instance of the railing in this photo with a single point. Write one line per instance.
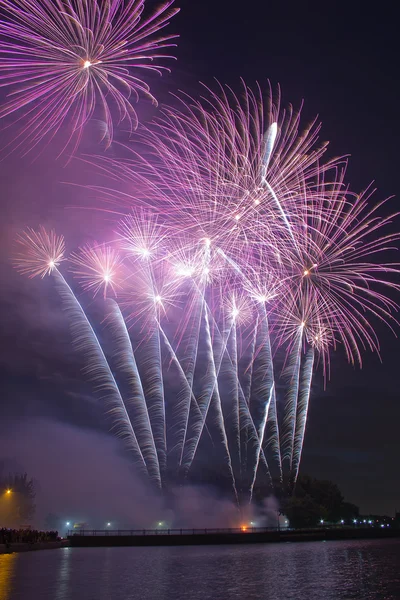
(162, 531)
(207, 531)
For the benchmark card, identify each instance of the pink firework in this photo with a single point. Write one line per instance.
(97, 267)
(65, 61)
(39, 252)
(241, 244)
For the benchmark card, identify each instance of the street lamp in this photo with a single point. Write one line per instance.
(8, 492)
(68, 523)
(108, 524)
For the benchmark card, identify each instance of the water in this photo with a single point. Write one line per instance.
(368, 570)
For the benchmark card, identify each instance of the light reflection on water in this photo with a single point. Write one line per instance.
(7, 565)
(365, 570)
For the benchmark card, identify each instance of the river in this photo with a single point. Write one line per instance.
(364, 569)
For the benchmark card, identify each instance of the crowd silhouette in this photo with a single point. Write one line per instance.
(28, 536)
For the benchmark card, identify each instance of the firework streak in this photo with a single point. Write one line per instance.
(243, 262)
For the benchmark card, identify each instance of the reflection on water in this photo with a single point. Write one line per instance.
(64, 571)
(7, 564)
(364, 570)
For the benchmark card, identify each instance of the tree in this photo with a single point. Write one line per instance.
(313, 500)
(17, 495)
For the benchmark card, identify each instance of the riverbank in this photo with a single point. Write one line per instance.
(24, 547)
(165, 538)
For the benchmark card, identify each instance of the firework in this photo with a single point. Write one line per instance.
(287, 232)
(44, 251)
(97, 267)
(63, 62)
(39, 252)
(243, 250)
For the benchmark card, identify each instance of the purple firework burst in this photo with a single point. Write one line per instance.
(63, 60)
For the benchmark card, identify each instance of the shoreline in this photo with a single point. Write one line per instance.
(26, 547)
(87, 539)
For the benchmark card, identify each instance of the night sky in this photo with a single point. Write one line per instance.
(342, 60)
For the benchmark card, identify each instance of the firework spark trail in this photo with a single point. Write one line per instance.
(126, 363)
(246, 387)
(148, 290)
(266, 389)
(98, 368)
(249, 370)
(269, 142)
(216, 394)
(262, 390)
(185, 389)
(60, 59)
(261, 434)
(190, 365)
(273, 440)
(209, 389)
(234, 412)
(282, 212)
(302, 411)
(292, 373)
(245, 418)
(154, 392)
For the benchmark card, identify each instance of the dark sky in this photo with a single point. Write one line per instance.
(340, 58)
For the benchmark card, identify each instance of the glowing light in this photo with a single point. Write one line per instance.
(68, 523)
(87, 64)
(52, 264)
(8, 491)
(144, 252)
(157, 299)
(235, 313)
(107, 277)
(185, 271)
(243, 528)
(108, 524)
(256, 202)
(302, 324)
(321, 521)
(207, 242)
(237, 217)
(306, 272)
(160, 523)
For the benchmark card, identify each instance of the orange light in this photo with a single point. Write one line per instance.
(8, 492)
(243, 528)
